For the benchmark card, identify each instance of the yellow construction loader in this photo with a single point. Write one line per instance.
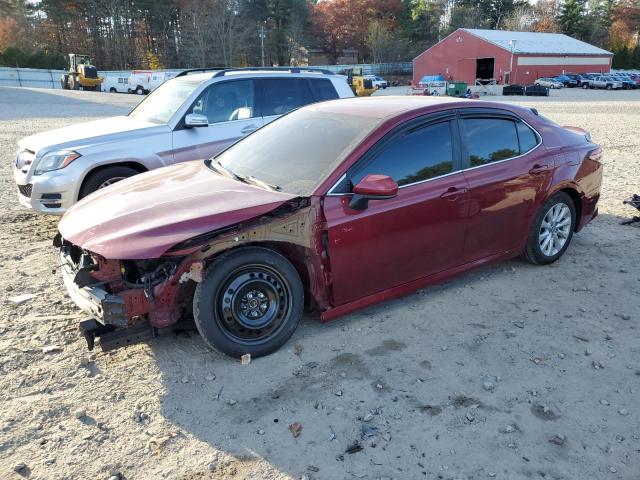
(362, 87)
(81, 74)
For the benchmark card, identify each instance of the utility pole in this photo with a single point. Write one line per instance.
(262, 37)
(512, 44)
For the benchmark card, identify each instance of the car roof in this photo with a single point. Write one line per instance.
(387, 107)
(202, 77)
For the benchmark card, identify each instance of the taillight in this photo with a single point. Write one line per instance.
(595, 155)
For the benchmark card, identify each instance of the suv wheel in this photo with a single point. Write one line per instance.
(552, 230)
(250, 301)
(105, 177)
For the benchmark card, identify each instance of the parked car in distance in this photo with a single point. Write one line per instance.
(115, 84)
(627, 82)
(579, 78)
(139, 82)
(606, 82)
(333, 207)
(566, 80)
(548, 82)
(378, 82)
(189, 117)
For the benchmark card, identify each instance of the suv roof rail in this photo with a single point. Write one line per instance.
(222, 72)
(184, 73)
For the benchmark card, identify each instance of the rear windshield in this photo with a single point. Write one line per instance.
(298, 151)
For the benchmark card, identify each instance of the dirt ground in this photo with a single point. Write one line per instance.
(512, 371)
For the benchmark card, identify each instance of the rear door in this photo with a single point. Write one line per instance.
(418, 233)
(509, 172)
(232, 110)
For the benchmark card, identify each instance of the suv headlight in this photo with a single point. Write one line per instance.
(55, 161)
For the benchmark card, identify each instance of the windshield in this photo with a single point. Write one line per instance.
(164, 101)
(295, 153)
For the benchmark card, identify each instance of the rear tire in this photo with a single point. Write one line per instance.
(105, 177)
(551, 230)
(112, 90)
(139, 91)
(250, 301)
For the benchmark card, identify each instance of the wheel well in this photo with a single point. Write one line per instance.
(575, 196)
(296, 254)
(135, 165)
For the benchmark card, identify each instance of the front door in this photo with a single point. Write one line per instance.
(508, 173)
(418, 233)
(231, 109)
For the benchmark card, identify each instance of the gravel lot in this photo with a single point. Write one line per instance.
(511, 372)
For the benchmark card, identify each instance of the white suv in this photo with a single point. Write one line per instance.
(193, 116)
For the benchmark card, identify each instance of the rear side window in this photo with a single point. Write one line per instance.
(528, 138)
(418, 155)
(323, 89)
(490, 140)
(281, 95)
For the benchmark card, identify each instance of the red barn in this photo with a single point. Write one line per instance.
(508, 57)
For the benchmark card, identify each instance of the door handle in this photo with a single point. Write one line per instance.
(536, 169)
(249, 128)
(453, 193)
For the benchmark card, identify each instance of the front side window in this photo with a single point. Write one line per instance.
(281, 95)
(226, 101)
(415, 156)
(490, 140)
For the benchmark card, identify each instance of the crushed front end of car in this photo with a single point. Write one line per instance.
(132, 300)
(128, 301)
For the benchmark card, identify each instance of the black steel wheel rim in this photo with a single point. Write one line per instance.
(252, 304)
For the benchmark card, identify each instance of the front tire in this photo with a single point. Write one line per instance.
(552, 230)
(105, 177)
(250, 301)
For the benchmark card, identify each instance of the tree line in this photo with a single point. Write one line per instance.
(130, 34)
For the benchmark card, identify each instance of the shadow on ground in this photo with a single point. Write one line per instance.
(474, 376)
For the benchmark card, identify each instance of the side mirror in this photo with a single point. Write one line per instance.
(372, 187)
(195, 120)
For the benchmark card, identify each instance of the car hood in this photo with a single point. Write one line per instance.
(144, 216)
(87, 134)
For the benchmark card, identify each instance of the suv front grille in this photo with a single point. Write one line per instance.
(25, 190)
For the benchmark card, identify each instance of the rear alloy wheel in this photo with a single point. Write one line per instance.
(105, 177)
(250, 301)
(552, 230)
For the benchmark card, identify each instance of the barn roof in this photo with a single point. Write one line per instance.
(536, 42)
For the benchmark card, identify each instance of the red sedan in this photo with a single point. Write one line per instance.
(333, 207)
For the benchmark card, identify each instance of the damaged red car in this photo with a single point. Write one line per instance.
(332, 208)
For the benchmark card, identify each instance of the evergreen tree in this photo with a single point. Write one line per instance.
(573, 16)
